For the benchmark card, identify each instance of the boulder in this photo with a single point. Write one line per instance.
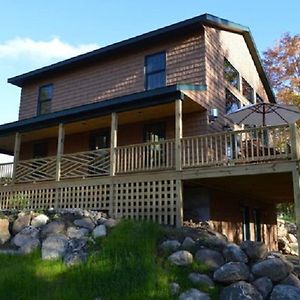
(211, 258)
(201, 279)
(110, 223)
(281, 230)
(99, 231)
(4, 231)
(292, 238)
(30, 245)
(254, 250)
(231, 272)
(294, 248)
(53, 228)
(285, 292)
(174, 288)
(54, 246)
(25, 236)
(188, 243)
(233, 252)
(264, 285)
(21, 222)
(85, 222)
(194, 294)
(75, 258)
(39, 221)
(291, 279)
(77, 244)
(181, 258)
(75, 233)
(211, 239)
(274, 268)
(240, 291)
(170, 245)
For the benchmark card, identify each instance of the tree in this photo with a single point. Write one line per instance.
(282, 64)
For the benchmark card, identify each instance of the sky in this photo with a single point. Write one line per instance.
(37, 33)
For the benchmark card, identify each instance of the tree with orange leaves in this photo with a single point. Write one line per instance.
(282, 64)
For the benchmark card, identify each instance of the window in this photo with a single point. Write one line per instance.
(259, 99)
(155, 71)
(232, 103)
(155, 132)
(248, 91)
(231, 74)
(40, 150)
(246, 224)
(45, 97)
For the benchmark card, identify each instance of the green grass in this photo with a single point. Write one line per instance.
(123, 266)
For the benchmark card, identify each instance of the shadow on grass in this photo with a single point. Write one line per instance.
(124, 268)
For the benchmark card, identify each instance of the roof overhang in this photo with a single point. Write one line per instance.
(146, 39)
(120, 104)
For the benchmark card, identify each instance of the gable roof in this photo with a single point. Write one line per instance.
(150, 38)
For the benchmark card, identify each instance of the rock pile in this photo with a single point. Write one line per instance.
(287, 237)
(60, 234)
(242, 272)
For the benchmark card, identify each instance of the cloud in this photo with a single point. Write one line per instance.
(41, 51)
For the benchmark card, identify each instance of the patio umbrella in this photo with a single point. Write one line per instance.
(265, 114)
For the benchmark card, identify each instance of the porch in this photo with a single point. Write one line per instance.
(259, 145)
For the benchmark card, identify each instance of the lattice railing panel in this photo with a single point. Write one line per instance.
(85, 164)
(36, 169)
(147, 200)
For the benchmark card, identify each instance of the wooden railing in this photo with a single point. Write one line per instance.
(145, 157)
(224, 148)
(85, 164)
(38, 169)
(249, 145)
(6, 172)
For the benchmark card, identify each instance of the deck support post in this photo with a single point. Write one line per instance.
(16, 155)
(113, 143)
(178, 134)
(60, 150)
(113, 161)
(296, 187)
(179, 215)
(295, 142)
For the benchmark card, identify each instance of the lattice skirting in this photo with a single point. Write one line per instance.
(156, 200)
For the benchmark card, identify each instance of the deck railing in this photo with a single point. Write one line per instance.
(6, 172)
(38, 169)
(145, 157)
(85, 164)
(251, 145)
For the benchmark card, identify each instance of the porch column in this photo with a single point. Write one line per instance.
(295, 141)
(179, 215)
(178, 134)
(16, 154)
(60, 150)
(296, 186)
(113, 143)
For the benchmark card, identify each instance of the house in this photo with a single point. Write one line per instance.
(139, 129)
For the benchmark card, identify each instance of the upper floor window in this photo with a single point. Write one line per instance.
(40, 150)
(259, 99)
(231, 74)
(155, 70)
(45, 97)
(248, 91)
(232, 102)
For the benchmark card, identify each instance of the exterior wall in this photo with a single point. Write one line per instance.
(226, 215)
(119, 76)
(220, 44)
(193, 124)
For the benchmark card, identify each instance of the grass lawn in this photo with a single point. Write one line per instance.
(124, 266)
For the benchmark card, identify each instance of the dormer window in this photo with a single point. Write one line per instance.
(45, 98)
(155, 70)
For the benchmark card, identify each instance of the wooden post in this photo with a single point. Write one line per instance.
(295, 143)
(179, 217)
(296, 187)
(178, 135)
(16, 155)
(113, 143)
(60, 150)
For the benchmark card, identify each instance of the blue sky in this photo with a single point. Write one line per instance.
(36, 33)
